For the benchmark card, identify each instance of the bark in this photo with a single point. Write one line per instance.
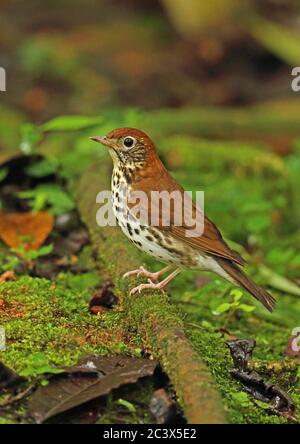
(150, 316)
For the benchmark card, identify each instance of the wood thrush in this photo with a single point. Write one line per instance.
(137, 168)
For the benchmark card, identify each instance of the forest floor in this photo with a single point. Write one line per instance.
(250, 192)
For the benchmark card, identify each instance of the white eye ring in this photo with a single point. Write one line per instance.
(129, 142)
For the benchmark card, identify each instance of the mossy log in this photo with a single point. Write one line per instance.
(150, 315)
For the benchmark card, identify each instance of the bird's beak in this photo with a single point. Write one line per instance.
(102, 139)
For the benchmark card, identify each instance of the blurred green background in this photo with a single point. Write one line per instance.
(76, 56)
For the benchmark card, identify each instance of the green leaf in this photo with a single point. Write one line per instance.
(43, 251)
(242, 398)
(262, 405)
(237, 294)
(38, 200)
(71, 123)
(223, 308)
(277, 281)
(247, 308)
(126, 404)
(10, 263)
(3, 173)
(38, 364)
(281, 41)
(207, 325)
(43, 168)
(58, 200)
(30, 136)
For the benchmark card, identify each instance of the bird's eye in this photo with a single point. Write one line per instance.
(129, 142)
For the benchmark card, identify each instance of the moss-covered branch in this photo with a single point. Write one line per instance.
(150, 316)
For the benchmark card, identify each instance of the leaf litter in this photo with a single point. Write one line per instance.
(93, 377)
(164, 408)
(28, 230)
(103, 299)
(280, 402)
(8, 378)
(38, 220)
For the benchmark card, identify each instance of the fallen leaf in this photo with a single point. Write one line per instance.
(7, 276)
(98, 310)
(9, 378)
(241, 352)
(103, 299)
(29, 230)
(162, 407)
(92, 377)
(280, 402)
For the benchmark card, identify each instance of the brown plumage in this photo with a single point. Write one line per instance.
(138, 167)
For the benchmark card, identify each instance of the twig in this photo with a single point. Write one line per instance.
(12, 399)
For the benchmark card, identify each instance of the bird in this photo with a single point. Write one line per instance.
(138, 168)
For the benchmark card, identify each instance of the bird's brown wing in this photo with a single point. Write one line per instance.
(210, 242)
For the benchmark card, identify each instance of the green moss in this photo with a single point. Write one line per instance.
(41, 316)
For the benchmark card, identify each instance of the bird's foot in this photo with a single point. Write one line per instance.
(151, 286)
(142, 272)
(155, 286)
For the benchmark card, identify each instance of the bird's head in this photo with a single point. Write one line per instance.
(127, 146)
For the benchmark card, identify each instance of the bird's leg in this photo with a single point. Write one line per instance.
(158, 286)
(142, 272)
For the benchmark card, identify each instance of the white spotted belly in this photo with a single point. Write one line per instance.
(161, 245)
(148, 239)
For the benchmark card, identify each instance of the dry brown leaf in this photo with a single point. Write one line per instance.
(93, 377)
(28, 230)
(7, 276)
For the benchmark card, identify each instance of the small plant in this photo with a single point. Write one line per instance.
(49, 197)
(38, 364)
(10, 263)
(28, 257)
(242, 399)
(31, 255)
(3, 173)
(230, 308)
(128, 405)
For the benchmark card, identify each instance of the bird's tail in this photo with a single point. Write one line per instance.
(239, 277)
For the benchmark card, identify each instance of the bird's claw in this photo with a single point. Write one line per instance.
(142, 272)
(150, 286)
